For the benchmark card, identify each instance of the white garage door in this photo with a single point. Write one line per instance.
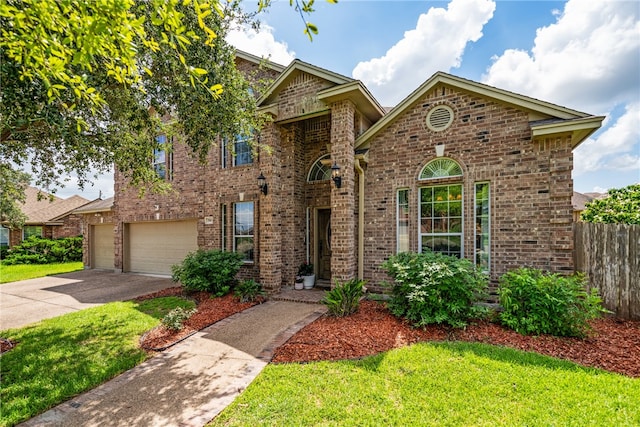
(155, 246)
(102, 252)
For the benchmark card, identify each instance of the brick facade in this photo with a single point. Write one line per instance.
(491, 138)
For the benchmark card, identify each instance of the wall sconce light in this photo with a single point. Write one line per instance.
(335, 175)
(262, 184)
(439, 150)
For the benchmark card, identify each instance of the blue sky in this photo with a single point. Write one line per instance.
(581, 54)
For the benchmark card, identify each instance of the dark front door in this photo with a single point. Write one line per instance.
(324, 244)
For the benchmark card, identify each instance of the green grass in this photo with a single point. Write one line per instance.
(444, 384)
(13, 273)
(56, 359)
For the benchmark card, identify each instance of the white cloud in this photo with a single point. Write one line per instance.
(436, 44)
(261, 44)
(616, 149)
(588, 59)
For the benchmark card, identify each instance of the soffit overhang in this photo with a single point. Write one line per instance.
(260, 61)
(579, 129)
(357, 93)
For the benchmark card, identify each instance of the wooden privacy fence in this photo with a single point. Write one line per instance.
(609, 255)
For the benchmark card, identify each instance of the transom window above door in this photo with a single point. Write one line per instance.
(321, 169)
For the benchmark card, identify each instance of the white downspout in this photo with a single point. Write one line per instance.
(360, 218)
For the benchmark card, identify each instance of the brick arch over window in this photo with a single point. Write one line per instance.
(441, 167)
(320, 170)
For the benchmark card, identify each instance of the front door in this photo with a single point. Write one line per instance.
(324, 244)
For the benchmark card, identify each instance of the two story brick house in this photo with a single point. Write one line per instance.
(457, 167)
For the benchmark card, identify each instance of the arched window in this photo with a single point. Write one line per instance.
(321, 169)
(441, 168)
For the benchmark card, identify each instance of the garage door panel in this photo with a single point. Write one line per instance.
(155, 247)
(102, 248)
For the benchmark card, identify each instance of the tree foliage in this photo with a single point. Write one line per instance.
(620, 206)
(112, 117)
(13, 184)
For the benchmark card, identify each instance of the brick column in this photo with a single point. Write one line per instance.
(269, 224)
(561, 215)
(343, 224)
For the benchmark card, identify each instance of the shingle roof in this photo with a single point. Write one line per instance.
(97, 205)
(47, 207)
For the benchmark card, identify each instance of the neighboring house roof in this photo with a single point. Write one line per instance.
(545, 118)
(96, 206)
(579, 201)
(48, 208)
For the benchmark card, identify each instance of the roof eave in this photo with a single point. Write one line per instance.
(300, 66)
(358, 94)
(580, 129)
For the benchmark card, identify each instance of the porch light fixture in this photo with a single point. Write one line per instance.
(262, 184)
(335, 175)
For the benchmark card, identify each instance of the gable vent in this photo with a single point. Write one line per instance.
(439, 118)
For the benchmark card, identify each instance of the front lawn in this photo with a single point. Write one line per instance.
(13, 273)
(58, 358)
(437, 384)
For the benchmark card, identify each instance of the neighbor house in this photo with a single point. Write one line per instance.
(47, 216)
(457, 167)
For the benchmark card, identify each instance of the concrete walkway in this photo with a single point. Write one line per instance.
(29, 301)
(189, 384)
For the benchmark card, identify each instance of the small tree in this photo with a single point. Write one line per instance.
(621, 206)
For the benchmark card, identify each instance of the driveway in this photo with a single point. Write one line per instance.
(29, 301)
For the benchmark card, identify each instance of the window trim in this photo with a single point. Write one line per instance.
(244, 236)
(321, 165)
(167, 162)
(224, 227)
(398, 218)
(40, 234)
(462, 217)
(245, 140)
(475, 229)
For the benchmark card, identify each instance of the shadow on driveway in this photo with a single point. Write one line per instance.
(29, 301)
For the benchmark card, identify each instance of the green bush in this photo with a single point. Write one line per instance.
(38, 250)
(249, 291)
(344, 298)
(537, 302)
(174, 319)
(212, 271)
(435, 288)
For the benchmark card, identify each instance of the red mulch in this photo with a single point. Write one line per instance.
(614, 344)
(210, 311)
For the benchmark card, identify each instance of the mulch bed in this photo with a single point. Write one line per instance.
(210, 311)
(613, 345)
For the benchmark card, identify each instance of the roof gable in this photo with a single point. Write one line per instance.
(292, 71)
(546, 118)
(41, 207)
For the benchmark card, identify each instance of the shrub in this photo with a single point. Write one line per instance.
(38, 250)
(175, 318)
(249, 291)
(435, 288)
(344, 299)
(212, 271)
(536, 302)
